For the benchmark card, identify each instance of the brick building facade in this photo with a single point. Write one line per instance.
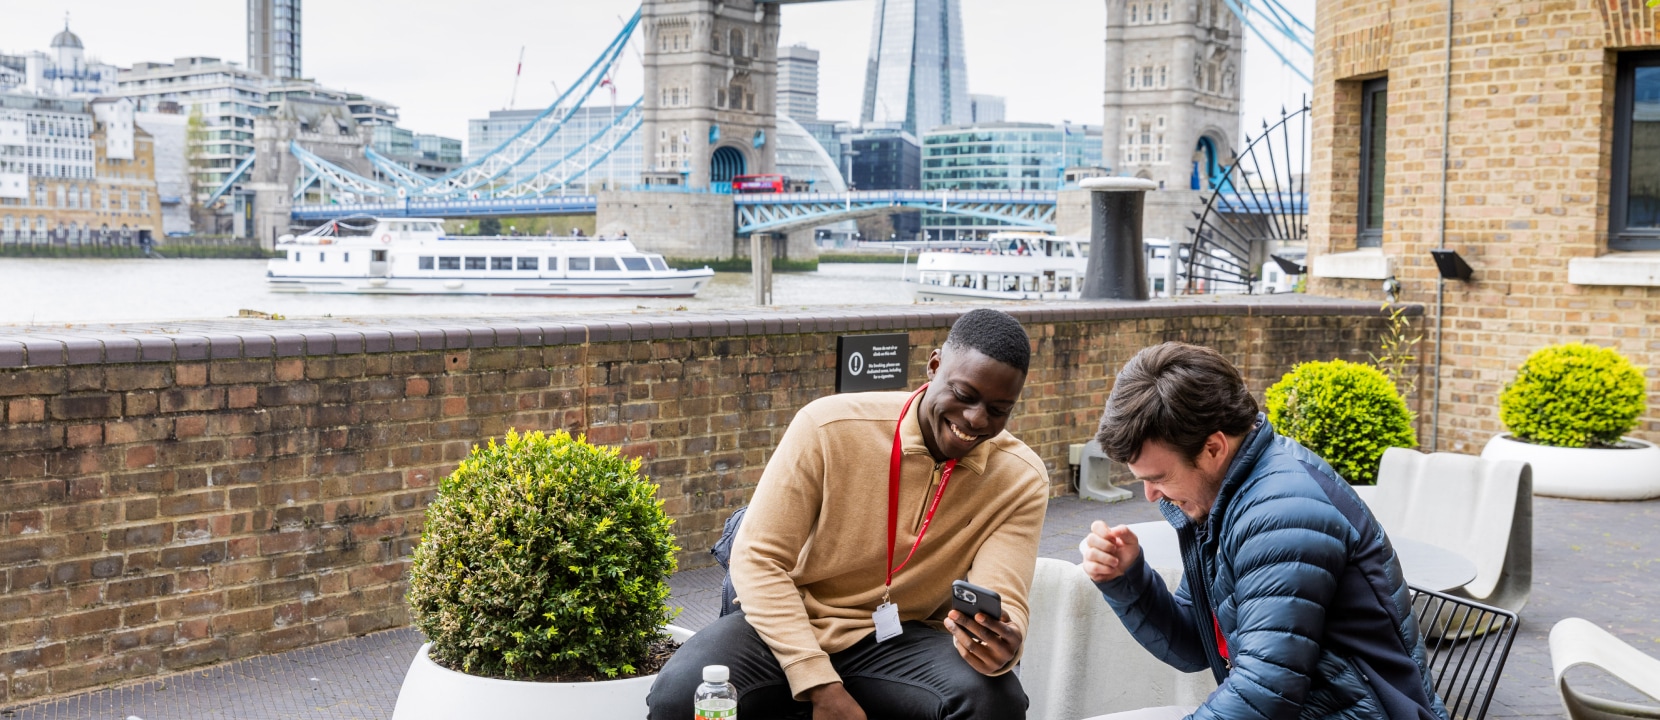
(1538, 193)
(108, 197)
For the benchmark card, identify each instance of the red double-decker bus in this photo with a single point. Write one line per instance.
(759, 183)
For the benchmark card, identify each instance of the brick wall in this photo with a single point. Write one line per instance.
(171, 497)
(1527, 189)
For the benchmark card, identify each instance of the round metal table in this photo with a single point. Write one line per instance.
(1426, 566)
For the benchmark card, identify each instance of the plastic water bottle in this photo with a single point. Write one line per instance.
(715, 698)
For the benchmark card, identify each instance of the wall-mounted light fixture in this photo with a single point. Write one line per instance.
(1289, 267)
(1452, 266)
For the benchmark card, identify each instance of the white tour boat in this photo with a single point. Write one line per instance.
(1017, 266)
(413, 256)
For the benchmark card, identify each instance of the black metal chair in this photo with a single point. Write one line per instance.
(1467, 643)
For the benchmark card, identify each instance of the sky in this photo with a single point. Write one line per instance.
(444, 62)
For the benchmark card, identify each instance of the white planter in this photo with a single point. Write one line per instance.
(433, 692)
(1585, 473)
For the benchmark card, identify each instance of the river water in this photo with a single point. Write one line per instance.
(52, 291)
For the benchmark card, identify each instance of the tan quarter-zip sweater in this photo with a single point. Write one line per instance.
(808, 561)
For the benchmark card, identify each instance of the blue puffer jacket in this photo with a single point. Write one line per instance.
(1306, 592)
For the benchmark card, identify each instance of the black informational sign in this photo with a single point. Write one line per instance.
(872, 362)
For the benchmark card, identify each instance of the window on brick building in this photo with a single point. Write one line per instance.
(1634, 209)
(1374, 131)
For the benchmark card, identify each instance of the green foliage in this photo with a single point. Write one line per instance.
(1573, 395)
(1347, 413)
(542, 556)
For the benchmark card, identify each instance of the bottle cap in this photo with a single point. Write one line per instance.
(715, 673)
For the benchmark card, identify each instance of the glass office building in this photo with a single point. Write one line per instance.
(621, 169)
(1000, 157)
(916, 77)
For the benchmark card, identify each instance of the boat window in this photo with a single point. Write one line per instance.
(580, 264)
(501, 263)
(295, 256)
(636, 264)
(349, 228)
(449, 263)
(426, 263)
(346, 257)
(658, 264)
(475, 263)
(553, 264)
(605, 263)
(527, 263)
(322, 257)
(432, 227)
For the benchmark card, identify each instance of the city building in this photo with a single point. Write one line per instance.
(833, 137)
(798, 82)
(887, 159)
(64, 71)
(169, 129)
(274, 38)
(986, 109)
(916, 76)
(75, 171)
(803, 160)
(1530, 147)
(1171, 107)
(220, 101)
(621, 169)
(429, 155)
(1003, 157)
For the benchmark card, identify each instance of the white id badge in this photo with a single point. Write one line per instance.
(887, 621)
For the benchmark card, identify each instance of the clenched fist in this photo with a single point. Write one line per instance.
(1108, 552)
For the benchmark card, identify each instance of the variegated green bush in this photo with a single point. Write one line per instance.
(543, 555)
(1347, 413)
(1573, 395)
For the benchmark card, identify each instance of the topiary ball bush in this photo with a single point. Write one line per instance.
(1347, 413)
(543, 556)
(1573, 395)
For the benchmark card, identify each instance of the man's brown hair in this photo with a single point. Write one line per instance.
(1177, 394)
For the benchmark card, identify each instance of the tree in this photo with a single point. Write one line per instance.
(489, 226)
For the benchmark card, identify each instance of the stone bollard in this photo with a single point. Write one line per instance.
(1117, 260)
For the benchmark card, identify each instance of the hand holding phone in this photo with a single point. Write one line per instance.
(989, 645)
(970, 599)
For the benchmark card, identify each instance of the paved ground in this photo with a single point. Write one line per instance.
(1599, 561)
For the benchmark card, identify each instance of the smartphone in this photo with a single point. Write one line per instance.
(969, 599)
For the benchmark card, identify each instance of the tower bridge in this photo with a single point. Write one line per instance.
(706, 114)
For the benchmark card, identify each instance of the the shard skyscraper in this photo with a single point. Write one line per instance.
(916, 76)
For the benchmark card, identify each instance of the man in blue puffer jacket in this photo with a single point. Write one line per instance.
(1290, 593)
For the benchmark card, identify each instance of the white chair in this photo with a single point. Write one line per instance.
(1481, 509)
(1575, 642)
(1078, 659)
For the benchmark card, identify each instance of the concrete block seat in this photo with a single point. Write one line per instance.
(1576, 641)
(1481, 509)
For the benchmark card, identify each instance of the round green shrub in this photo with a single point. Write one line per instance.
(1347, 413)
(1573, 395)
(543, 556)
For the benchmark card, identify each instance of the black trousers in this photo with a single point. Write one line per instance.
(916, 675)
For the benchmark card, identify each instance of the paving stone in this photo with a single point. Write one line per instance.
(1600, 561)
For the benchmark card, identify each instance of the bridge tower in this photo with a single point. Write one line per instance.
(1172, 101)
(711, 77)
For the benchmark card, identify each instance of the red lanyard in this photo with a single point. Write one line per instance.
(893, 497)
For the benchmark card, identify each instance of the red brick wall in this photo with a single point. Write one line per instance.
(169, 502)
(1528, 181)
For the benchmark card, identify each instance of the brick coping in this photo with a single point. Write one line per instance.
(24, 346)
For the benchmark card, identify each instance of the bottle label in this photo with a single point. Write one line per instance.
(712, 714)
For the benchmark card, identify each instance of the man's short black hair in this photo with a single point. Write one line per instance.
(995, 334)
(1177, 394)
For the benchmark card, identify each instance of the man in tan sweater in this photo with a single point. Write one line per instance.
(811, 560)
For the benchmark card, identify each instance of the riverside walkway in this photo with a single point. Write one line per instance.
(1600, 561)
